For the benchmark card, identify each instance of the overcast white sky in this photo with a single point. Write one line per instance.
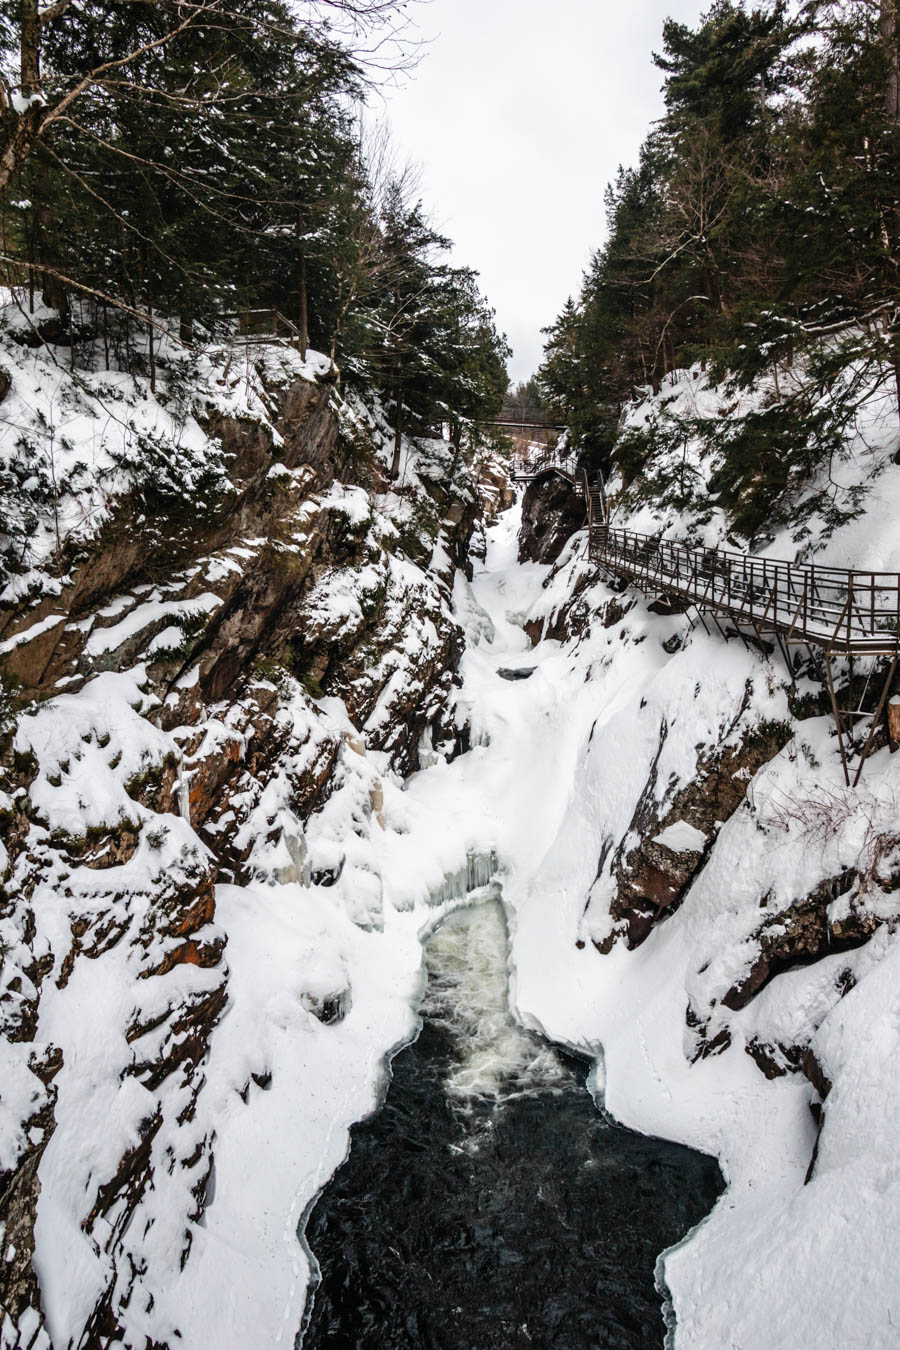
(519, 114)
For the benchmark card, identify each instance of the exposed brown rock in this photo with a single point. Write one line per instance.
(551, 513)
(188, 1028)
(191, 953)
(614, 611)
(573, 618)
(534, 630)
(775, 1061)
(247, 656)
(208, 775)
(496, 491)
(800, 933)
(704, 1044)
(20, 1189)
(651, 879)
(28, 662)
(803, 931)
(815, 1073)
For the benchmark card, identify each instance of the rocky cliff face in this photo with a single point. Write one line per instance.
(194, 695)
(729, 858)
(715, 906)
(709, 747)
(551, 513)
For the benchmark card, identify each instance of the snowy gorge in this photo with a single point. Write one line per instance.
(255, 762)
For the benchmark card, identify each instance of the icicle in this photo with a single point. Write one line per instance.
(184, 792)
(299, 870)
(478, 871)
(428, 756)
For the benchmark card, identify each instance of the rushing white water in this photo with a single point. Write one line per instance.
(468, 994)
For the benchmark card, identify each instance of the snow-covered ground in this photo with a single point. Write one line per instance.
(557, 763)
(558, 766)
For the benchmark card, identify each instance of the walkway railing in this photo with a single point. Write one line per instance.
(264, 326)
(834, 607)
(563, 462)
(840, 608)
(843, 611)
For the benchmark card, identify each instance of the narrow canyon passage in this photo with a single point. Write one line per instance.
(489, 1203)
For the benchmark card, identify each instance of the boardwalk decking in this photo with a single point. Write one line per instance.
(844, 612)
(841, 609)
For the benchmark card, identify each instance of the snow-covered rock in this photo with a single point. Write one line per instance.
(216, 713)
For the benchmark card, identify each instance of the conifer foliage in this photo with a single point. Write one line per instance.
(186, 162)
(758, 234)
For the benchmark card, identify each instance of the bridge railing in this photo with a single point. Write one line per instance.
(263, 326)
(564, 461)
(808, 602)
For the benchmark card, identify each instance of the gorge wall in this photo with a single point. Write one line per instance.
(732, 908)
(220, 853)
(211, 666)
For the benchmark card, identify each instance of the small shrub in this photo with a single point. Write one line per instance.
(175, 481)
(312, 686)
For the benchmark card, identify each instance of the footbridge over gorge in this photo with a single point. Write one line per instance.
(531, 441)
(844, 613)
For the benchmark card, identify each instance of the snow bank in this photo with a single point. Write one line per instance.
(566, 755)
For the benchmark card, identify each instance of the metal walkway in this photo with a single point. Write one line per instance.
(836, 608)
(562, 464)
(843, 612)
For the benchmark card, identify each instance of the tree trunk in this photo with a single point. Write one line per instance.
(887, 28)
(302, 311)
(457, 450)
(895, 361)
(150, 352)
(30, 49)
(25, 126)
(25, 132)
(655, 383)
(54, 293)
(398, 433)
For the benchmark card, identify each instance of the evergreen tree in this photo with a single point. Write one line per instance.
(759, 233)
(166, 161)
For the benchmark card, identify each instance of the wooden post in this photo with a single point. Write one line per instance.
(876, 719)
(894, 722)
(837, 716)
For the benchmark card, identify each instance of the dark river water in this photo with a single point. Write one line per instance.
(489, 1205)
